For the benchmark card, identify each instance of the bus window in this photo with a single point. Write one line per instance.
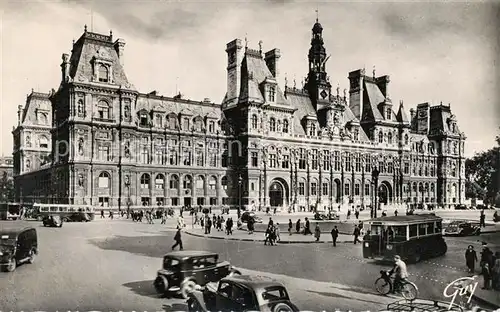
(63, 209)
(439, 227)
(376, 229)
(430, 228)
(421, 229)
(399, 232)
(53, 209)
(413, 230)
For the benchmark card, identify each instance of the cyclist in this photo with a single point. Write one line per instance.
(400, 271)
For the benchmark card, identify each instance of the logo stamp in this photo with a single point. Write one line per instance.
(459, 288)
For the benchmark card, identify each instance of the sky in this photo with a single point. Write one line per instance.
(433, 51)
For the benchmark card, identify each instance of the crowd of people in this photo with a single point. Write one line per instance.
(489, 266)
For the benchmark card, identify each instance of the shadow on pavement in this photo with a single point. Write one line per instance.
(151, 246)
(334, 295)
(143, 288)
(175, 307)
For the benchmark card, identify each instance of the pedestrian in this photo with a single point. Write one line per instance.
(356, 214)
(249, 225)
(178, 239)
(486, 272)
(495, 272)
(163, 217)
(102, 213)
(356, 234)
(470, 258)
(317, 232)
(348, 213)
(396, 213)
(307, 227)
(268, 235)
(290, 226)
(486, 256)
(335, 236)
(219, 224)
(365, 239)
(277, 232)
(297, 226)
(229, 226)
(482, 219)
(271, 223)
(274, 212)
(202, 222)
(267, 210)
(111, 214)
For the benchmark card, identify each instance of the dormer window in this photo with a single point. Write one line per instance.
(254, 121)
(185, 124)
(272, 124)
(211, 126)
(312, 130)
(271, 94)
(380, 137)
(143, 119)
(159, 121)
(285, 126)
(388, 113)
(103, 73)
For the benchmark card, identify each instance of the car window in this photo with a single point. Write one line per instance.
(169, 263)
(274, 294)
(225, 289)
(242, 295)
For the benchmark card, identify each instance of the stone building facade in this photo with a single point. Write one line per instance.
(263, 146)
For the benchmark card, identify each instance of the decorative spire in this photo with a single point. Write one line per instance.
(317, 15)
(85, 28)
(246, 41)
(260, 46)
(373, 71)
(345, 93)
(286, 81)
(338, 90)
(110, 33)
(294, 83)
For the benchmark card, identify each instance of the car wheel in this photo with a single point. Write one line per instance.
(11, 266)
(32, 256)
(187, 287)
(161, 284)
(282, 307)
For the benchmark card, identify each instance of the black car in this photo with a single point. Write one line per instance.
(78, 217)
(462, 228)
(245, 216)
(242, 293)
(17, 245)
(53, 221)
(183, 270)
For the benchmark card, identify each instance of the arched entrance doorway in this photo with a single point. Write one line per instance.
(278, 193)
(385, 193)
(336, 190)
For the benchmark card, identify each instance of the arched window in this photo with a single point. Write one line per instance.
(272, 124)
(223, 182)
(198, 124)
(254, 121)
(285, 126)
(145, 181)
(212, 183)
(80, 107)
(174, 182)
(103, 180)
(103, 73)
(389, 137)
(200, 182)
(103, 110)
(44, 142)
(380, 137)
(160, 181)
(187, 183)
(43, 118)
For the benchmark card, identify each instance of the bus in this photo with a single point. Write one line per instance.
(68, 213)
(413, 237)
(10, 211)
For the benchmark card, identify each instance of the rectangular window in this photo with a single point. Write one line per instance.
(173, 158)
(272, 161)
(285, 161)
(272, 94)
(406, 169)
(224, 160)
(255, 158)
(159, 183)
(336, 159)
(104, 201)
(145, 155)
(175, 201)
(302, 188)
(159, 121)
(213, 201)
(185, 124)
(358, 163)
(368, 164)
(325, 188)
(199, 158)
(356, 189)
(367, 189)
(212, 159)
(143, 119)
(225, 200)
(302, 159)
(187, 158)
(326, 161)
(413, 230)
(314, 187)
(347, 162)
(347, 189)
(200, 201)
(314, 160)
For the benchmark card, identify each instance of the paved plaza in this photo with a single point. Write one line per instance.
(110, 265)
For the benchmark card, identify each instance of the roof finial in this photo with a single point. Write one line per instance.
(317, 14)
(374, 71)
(345, 93)
(246, 41)
(110, 33)
(338, 89)
(401, 102)
(441, 103)
(294, 83)
(85, 28)
(286, 81)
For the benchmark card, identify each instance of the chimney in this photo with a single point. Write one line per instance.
(65, 67)
(272, 58)
(383, 85)
(119, 46)
(19, 113)
(412, 114)
(233, 50)
(356, 79)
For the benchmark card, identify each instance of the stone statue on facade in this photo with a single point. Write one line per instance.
(80, 146)
(127, 149)
(81, 180)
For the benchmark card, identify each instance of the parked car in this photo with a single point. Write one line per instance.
(323, 215)
(17, 245)
(182, 270)
(462, 228)
(245, 216)
(242, 293)
(78, 217)
(52, 221)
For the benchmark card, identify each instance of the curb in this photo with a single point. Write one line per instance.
(262, 240)
(486, 302)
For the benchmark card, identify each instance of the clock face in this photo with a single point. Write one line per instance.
(422, 114)
(323, 94)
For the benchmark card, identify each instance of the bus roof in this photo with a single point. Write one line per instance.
(417, 218)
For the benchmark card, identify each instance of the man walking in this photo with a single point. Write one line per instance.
(178, 239)
(356, 234)
(482, 218)
(335, 236)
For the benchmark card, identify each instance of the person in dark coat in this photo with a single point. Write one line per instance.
(268, 234)
(470, 258)
(356, 214)
(348, 214)
(290, 226)
(335, 235)
(486, 256)
(229, 226)
(178, 239)
(486, 272)
(366, 238)
(482, 219)
(297, 226)
(250, 225)
(271, 223)
(208, 225)
(356, 234)
(307, 227)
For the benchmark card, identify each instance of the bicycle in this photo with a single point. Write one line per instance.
(385, 284)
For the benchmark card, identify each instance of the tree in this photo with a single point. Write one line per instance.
(7, 193)
(483, 170)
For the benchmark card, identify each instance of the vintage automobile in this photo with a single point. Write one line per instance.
(242, 293)
(17, 245)
(462, 228)
(182, 270)
(52, 221)
(78, 217)
(323, 215)
(245, 216)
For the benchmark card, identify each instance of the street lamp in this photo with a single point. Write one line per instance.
(127, 185)
(240, 182)
(375, 174)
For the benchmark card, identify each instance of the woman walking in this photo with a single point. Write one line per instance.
(470, 258)
(317, 232)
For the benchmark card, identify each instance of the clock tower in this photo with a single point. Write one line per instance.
(317, 84)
